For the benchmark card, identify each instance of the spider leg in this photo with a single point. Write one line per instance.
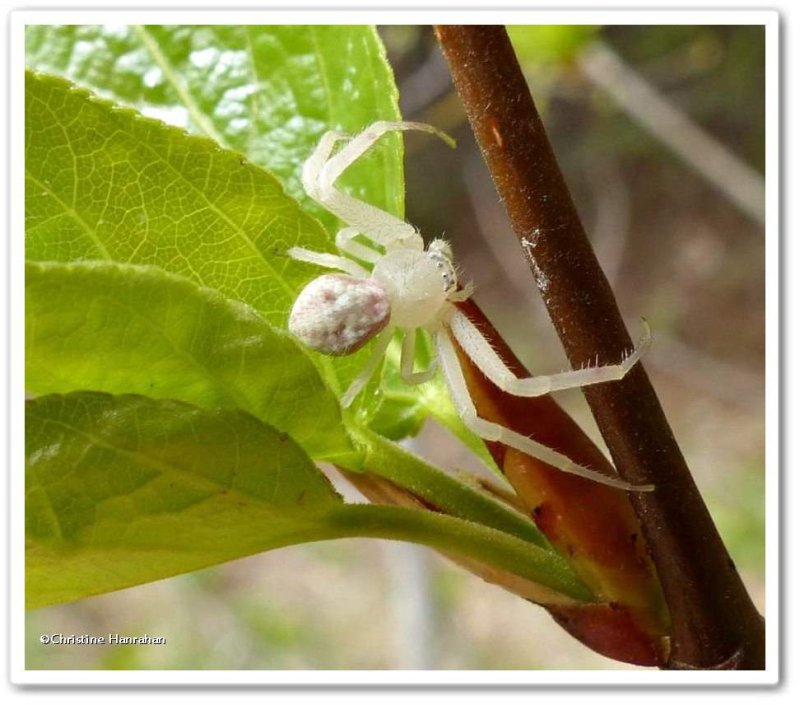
(319, 177)
(491, 364)
(346, 244)
(463, 294)
(407, 361)
(372, 363)
(491, 431)
(379, 226)
(319, 157)
(357, 146)
(325, 259)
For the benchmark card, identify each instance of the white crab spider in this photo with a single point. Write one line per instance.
(405, 286)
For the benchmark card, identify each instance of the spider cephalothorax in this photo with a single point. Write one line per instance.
(395, 283)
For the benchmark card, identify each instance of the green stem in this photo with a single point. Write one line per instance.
(446, 493)
(454, 536)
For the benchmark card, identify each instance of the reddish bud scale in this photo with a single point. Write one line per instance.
(592, 525)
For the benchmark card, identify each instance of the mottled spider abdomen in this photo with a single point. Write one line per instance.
(336, 314)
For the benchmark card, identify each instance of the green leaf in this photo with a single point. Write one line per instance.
(267, 91)
(103, 183)
(113, 199)
(124, 490)
(137, 329)
(441, 491)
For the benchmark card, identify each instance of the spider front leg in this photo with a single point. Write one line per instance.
(364, 140)
(319, 157)
(491, 364)
(320, 173)
(491, 431)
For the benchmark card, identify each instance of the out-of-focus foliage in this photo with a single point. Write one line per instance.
(551, 43)
(714, 73)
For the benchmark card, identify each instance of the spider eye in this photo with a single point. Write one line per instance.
(438, 254)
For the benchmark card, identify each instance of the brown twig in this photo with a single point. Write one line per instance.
(715, 624)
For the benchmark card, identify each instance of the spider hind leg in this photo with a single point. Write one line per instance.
(491, 431)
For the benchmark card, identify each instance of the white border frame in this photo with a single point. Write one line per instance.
(421, 15)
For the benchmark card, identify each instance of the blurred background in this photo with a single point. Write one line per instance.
(660, 133)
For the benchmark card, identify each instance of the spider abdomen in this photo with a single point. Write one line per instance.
(336, 314)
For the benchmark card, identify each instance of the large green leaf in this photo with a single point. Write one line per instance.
(103, 183)
(137, 329)
(267, 91)
(121, 490)
(124, 489)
